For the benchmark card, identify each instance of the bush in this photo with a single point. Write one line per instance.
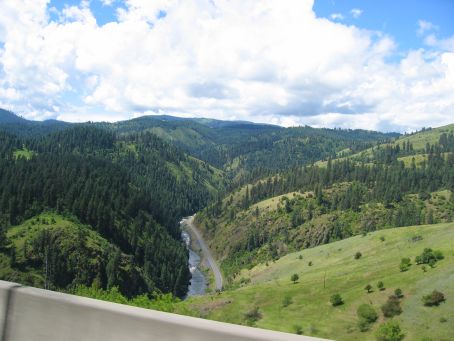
(310, 263)
(294, 278)
(287, 301)
(368, 288)
(398, 293)
(358, 255)
(404, 264)
(382, 238)
(381, 286)
(252, 316)
(392, 307)
(363, 325)
(367, 313)
(336, 300)
(389, 331)
(433, 299)
(298, 329)
(429, 256)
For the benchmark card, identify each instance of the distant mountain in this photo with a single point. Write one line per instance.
(19, 126)
(8, 117)
(245, 150)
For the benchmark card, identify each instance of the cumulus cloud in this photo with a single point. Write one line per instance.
(356, 12)
(267, 61)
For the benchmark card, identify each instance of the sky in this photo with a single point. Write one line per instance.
(383, 65)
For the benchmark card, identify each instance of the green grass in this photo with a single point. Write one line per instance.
(431, 136)
(26, 272)
(23, 153)
(345, 275)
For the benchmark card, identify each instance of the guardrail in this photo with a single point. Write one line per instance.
(40, 315)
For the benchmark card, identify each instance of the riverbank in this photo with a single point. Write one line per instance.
(199, 246)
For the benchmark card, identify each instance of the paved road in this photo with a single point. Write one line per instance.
(206, 252)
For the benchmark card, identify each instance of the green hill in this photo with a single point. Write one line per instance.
(335, 270)
(53, 251)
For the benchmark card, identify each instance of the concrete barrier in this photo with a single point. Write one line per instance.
(35, 314)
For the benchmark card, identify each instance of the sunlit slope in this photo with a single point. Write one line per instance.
(335, 270)
(418, 141)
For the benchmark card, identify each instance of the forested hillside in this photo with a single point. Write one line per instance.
(312, 205)
(132, 190)
(16, 125)
(248, 151)
(132, 181)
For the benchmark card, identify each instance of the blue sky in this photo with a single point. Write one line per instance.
(374, 64)
(398, 18)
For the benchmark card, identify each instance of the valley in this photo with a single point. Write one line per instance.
(286, 220)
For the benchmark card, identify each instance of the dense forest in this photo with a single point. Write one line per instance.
(132, 191)
(120, 189)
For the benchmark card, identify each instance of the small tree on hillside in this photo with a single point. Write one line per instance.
(336, 300)
(404, 264)
(294, 278)
(358, 255)
(287, 301)
(392, 307)
(389, 331)
(381, 286)
(433, 299)
(368, 288)
(398, 293)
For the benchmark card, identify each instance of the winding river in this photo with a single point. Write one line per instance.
(198, 283)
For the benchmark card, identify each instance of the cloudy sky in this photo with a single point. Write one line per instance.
(384, 65)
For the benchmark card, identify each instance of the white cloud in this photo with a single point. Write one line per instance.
(337, 16)
(356, 12)
(267, 61)
(425, 26)
(444, 44)
(107, 2)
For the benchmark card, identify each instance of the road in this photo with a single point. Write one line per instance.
(206, 252)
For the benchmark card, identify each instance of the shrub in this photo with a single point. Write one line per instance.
(358, 255)
(433, 299)
(404, 264)
(287, 301)
(336, 300)
(392, 307)
(389, 331)
(294, 278)
(368, 288)
(367, 313)
(382, 238)
(310, 263)
(429, 256)
(363, 325)
(381, 286)
(298, 329)
(252, 316)
(398, 293)
(443, 320)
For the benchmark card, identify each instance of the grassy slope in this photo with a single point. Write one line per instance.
(431, 136)
(418, 140)
(28, 230)
(345, 275)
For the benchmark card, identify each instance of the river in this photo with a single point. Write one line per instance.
(198, 283)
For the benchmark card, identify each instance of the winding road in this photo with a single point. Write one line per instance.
(206, 252)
